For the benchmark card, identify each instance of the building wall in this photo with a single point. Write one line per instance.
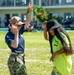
(62, 11)
(53, 6)
(11, 13)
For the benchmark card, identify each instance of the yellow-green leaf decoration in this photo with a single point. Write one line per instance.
(40, 13)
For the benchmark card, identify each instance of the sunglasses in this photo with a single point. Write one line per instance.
(19, 25)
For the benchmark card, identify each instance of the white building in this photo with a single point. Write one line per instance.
(9, 8)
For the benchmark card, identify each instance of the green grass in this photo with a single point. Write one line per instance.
(37, 54)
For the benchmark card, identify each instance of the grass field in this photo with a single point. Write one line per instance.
(37, 54)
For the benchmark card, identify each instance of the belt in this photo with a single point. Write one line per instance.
(17, 53)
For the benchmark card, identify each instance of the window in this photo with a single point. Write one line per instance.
(23, 17)
(36, 2)
(55, 15)
(6, 2)
(15, 14)
(67, 15)
(57, 1)
(60, 1)
(45, 2)
(24, 1)
(68, 1)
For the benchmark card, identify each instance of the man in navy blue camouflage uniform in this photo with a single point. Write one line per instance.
(15, 42)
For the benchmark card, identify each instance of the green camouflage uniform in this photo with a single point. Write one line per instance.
(16, 64)
(55, 72)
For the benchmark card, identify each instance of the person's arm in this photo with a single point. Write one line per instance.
(60, 51)
(16, 34)
(57, 53)
(15, 42)
(29, 15)
(45, 31)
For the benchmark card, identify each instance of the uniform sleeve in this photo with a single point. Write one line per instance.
(22, 30)
(8, 40)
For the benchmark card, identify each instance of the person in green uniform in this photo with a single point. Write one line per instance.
(61, 48)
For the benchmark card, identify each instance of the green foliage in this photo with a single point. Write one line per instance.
(58, 19)
(39, 13)
(42, 14)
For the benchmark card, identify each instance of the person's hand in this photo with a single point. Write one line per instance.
(52, 57)
(14, 29)
(69, 52)
(30, 5)
(44, 25)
